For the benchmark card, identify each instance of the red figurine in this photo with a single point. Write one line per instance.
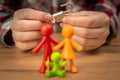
(46, 30)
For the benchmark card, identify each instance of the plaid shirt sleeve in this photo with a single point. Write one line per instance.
(7, 8)
(6, 12)
(113, 11)
(111, 8)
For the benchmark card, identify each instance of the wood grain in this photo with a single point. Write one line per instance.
(102, 64)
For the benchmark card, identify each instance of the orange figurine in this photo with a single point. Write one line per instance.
(67, 43)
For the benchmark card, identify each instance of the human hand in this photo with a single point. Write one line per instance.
(26, 27)
(91, 28)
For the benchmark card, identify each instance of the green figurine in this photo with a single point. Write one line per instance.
(56, 64)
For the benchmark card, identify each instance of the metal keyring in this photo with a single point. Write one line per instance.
(61, 14)
(53, 20)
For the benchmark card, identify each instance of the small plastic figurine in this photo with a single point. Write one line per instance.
(46, 30)
(56, 64)
(67, 43)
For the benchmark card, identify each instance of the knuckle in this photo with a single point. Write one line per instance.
(18, 37)
(21, 12)
(85, 33)
(15, 23)
(83, 12)
(84, 42)
(21, 46)
(72, 21)
(106, 33)
(90, 22)
(18, 25)
(13, 36)
(107, 20)
(103, 41)
(18, 13)
(12, 25)
(25, 12)
(105, 17)
(102, 14)
(89, 47)
(15, 14)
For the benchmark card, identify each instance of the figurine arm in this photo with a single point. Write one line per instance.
(63, 63)
(59, 46)
(38, 47)
(48, 63)
(53, 41)
(76, 46)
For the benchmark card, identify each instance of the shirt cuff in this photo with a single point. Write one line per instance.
(114, 28)
(114, 22)
(6, 35)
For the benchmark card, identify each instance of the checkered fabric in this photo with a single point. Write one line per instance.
(8, 7)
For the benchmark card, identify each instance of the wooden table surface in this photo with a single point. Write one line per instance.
(102, 64)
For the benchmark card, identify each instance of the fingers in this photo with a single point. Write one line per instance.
(26, 36)
(25, 25)
(91, 28)
(90, 38)
(100, 32)
(31, 14)
(89, 44)
(83, 13)
(97, 20)
(26, 45)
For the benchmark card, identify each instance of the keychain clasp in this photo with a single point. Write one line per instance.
(69, 10)
(57, 17)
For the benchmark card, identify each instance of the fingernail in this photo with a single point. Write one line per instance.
(47, 17)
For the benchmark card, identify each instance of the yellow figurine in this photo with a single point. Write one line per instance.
(67, 43)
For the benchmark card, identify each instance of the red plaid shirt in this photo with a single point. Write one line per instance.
(8, 7)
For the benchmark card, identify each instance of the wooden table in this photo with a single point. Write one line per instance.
(102, 64)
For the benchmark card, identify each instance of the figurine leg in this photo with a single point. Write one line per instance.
(63, 68)
(48, 73)
(43, 66)
(72, 66)
(50, 60)
(61, 73)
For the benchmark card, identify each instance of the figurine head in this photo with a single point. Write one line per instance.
(55, 56)
(67, 31)
(46, 30)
